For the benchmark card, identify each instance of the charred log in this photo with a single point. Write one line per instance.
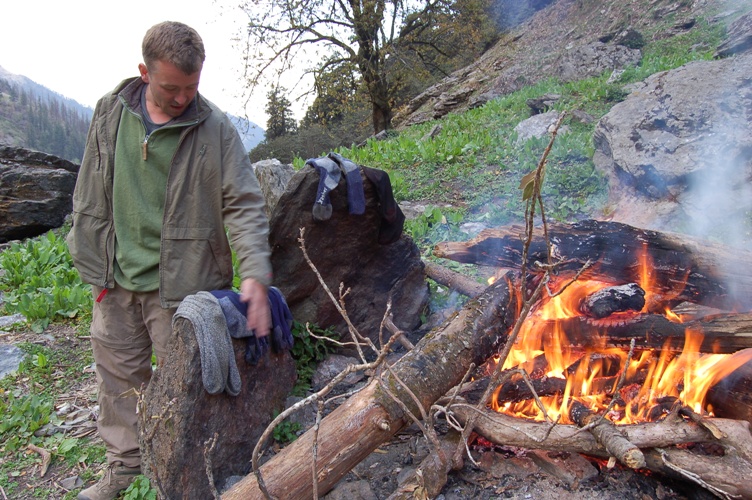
(722, 334)
(685, 269)
(614, 299)
(732, 396)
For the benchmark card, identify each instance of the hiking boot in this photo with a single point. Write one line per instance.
(116, 478)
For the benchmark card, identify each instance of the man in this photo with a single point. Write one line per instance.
(163, 174)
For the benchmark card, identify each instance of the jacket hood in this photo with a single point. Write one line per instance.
(129, 91)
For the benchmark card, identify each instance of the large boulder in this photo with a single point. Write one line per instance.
(593, 59)
(678, 150)
(179, 419)
(36, 192)
(345, 250)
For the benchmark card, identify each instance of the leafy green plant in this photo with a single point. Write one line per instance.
(307, 351)
(435, 225)
(285, 432)
(40, 281)
(140, 489)
(23, 414)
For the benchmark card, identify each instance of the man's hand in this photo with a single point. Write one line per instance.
(256, 296)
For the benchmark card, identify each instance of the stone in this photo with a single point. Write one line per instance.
(678, 150)
(344, 250)
(498, 466)
(571, 468)
(36, 192)
(273, 177)
(332, 366)
(739, 37)
(356, 490)
(179, 417)
(538, 126)
(593, 59)
(10, 359)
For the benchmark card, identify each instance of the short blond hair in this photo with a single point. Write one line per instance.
(174, 42)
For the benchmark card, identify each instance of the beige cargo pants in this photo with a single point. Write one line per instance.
(124, 327)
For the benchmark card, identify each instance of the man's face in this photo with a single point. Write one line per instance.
(170, 89)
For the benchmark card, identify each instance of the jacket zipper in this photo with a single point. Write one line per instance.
(144, 148)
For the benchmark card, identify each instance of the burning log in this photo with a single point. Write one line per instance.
(725, 334)
(371, 417)
(731, 397)
(606, 433)
(685, 269)
(516, 390)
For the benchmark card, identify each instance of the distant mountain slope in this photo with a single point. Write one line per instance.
(251, 133)
(35, 117)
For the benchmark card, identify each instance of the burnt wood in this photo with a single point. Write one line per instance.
(732, 396)
(684, 268)
(723, 334)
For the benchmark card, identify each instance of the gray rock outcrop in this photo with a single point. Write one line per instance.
(593, 59)
(273, 177)
(678, 150)
(36, 192)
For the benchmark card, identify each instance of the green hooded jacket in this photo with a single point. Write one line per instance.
(211, 185)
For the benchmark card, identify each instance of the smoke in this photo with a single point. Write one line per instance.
(719, 196)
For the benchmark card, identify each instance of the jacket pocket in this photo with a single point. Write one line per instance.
(88, 242)
(193, 260)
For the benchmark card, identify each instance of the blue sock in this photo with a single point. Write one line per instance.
(356, 200)
(329, 175)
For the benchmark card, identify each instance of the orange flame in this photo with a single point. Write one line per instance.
(667, 376)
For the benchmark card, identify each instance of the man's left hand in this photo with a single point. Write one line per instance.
(256, 296)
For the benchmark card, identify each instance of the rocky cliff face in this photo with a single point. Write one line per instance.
(678, 150)
(569, 39)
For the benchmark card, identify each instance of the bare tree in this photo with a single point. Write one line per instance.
(373, 36)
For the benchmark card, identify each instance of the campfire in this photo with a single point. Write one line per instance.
(653, 380)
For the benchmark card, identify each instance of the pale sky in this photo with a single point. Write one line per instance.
(83, 48)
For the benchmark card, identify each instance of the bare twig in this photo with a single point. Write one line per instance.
(528, 301)
(46, 458)
(337, 304)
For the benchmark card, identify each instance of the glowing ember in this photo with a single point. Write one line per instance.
(654, 380)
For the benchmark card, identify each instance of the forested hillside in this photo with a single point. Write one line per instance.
(34, 122)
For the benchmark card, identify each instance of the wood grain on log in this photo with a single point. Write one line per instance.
(685, 269)
(357, 427)
(606, 433)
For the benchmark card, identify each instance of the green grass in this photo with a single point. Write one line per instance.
(40, 282)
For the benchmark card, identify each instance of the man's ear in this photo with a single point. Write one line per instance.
(144, 72)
